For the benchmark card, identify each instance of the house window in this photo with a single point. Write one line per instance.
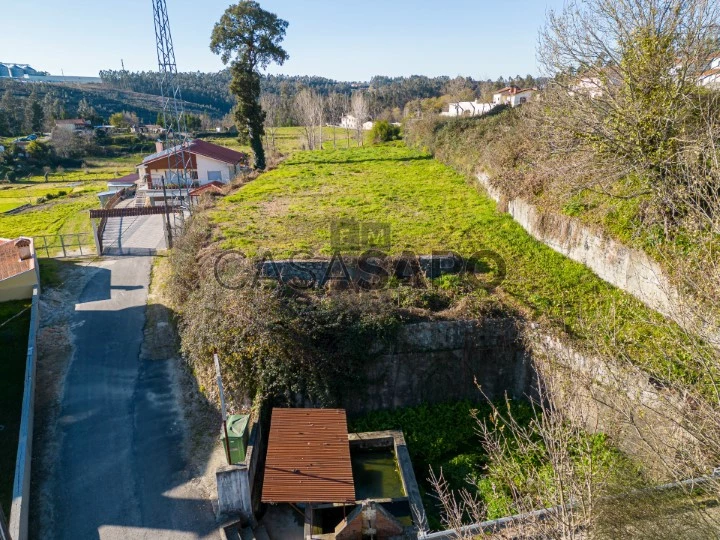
(214, 175)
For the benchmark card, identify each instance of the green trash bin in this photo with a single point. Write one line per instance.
(237, 432)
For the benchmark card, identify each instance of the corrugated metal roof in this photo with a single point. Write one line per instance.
(308, 457)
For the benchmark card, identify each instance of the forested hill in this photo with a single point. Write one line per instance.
(207, 95)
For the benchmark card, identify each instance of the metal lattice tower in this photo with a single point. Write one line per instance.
(173, 113)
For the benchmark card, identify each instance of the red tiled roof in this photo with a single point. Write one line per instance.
(217, 152)
(10, 263)
(128, 179)
(215, 185)
(710, 72)
(203, 148)
(308, 457)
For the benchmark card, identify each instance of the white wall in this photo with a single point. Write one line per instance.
(18, 287)
(206, 164)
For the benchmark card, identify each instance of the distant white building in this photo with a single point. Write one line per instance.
(74, 125)
(711, 76)
(468, 108)
(513, 96)
(348, 121)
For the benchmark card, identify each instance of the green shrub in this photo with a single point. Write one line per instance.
(383, 131)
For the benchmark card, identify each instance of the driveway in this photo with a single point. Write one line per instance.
(120, 469)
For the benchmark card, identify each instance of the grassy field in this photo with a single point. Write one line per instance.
(63, 213)
(428, 206)
(13, 337)
(292, 139)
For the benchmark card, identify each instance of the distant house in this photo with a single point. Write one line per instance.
(153, 129)
(513, 96)
(348, 121)
(19, 271)
(205, 162)
(74, 125)
(710, 77)
(468, 108)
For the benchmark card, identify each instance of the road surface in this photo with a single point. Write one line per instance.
(120, 470)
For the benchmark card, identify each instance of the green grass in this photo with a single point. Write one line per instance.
(13, 336)
(431, 207)
(67, 214)
(291, 139)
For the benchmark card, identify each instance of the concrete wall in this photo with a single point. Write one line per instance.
(628, 269)
(20, 509)
(18, 287)
(439, 361)
(237, 485)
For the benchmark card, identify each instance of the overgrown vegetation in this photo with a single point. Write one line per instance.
(13, 336)
(444, 441)
(429, 207)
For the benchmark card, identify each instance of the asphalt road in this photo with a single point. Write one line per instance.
(120, 470)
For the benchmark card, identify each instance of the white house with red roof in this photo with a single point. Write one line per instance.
(710, 77)
(205, 162)
(513, 95)
(19, 271)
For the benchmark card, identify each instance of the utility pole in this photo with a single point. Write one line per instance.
(173, 113)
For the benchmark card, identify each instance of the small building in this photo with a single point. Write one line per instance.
(312, 462)
(211, 187)
(513, 96)
(73, 125)
(205, 163)
(124, 182)
(468, 108)
(348, 121)
(19, 271)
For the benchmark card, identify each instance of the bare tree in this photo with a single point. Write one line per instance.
(624, 88)
(359, 108)
(309, 107)
(271, 104)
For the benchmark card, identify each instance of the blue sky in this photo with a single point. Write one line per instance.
(340, 39)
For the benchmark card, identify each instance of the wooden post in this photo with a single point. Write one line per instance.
(62, 244)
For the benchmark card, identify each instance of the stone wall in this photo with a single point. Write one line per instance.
(439, 361)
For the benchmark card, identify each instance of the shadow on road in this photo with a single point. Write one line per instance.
(111, 437)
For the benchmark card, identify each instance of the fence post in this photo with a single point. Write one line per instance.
(62, 244)
(47, 250)
(79, 244)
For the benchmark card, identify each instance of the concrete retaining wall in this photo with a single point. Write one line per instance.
(439, 361)
(20, 509)
(628, 269)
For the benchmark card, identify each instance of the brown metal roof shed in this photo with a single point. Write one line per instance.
(308, 457)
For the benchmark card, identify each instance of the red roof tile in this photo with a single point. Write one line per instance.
(215, 185)
(10, 263)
